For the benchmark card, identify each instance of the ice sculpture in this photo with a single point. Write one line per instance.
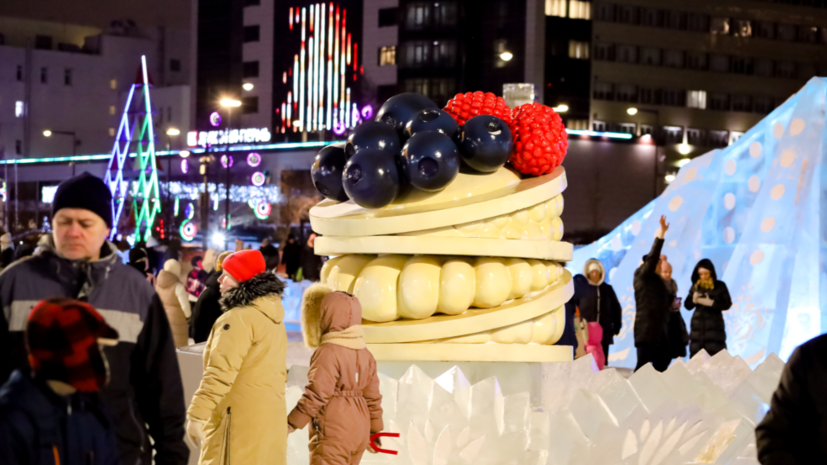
(692, 413)
(754, 209)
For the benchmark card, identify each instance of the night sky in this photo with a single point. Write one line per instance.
(99, 13)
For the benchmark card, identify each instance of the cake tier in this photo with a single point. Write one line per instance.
(470, 198)
(541, 250)
(437, 327)
(544, 330)
(470, 353)
(391, 287)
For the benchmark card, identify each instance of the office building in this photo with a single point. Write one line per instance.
(699, 72)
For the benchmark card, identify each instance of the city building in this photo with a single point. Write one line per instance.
(697, 74)
(567, 60)
(72, 80)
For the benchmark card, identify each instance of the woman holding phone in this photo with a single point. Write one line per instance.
(709, 298)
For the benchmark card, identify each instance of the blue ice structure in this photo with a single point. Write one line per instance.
(758, 210)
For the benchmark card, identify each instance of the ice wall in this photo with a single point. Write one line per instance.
(754, 209)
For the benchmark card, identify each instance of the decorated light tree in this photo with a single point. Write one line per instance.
(137, 117)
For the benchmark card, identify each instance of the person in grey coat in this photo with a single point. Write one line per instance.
(145, 394)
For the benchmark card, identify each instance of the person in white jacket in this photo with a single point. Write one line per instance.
(176, 302)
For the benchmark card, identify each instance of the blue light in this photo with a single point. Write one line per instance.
(610, 135)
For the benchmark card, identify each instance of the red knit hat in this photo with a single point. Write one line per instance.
(62, 341)
(244, 265)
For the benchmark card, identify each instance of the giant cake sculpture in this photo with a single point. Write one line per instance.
(446, 225)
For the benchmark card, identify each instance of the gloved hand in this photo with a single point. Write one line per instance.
(705, 301)
(378, 442)
(195, 431)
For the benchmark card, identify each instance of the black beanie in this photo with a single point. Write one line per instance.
(86, 192)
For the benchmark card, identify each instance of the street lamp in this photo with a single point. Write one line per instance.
(506, 56)
(562, 108)
(632, 111)
(75, 142)
(248, 86)
(230, 103)
(173, 132)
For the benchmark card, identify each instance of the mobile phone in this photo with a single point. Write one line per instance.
(677, 303)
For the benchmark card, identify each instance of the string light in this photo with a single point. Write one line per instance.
(262, 210)
(253, 159)
(243, 194)
(258, 179)
(215, 119)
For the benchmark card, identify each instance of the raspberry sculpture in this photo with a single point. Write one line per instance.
(540, 139)
(466, 106)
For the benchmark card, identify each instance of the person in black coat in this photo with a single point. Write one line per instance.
(292, 257)
(794, 431)
(311, 263)
(271, 255)
(6, 250)
(676, 332)
(709, 297)
(653, 302)
(598, 302)
(207, 309)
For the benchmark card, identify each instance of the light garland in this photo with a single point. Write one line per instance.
(263, 210)
(253, 159)
(191, 191)
(188, 230)
(227, 161)
(215, 119)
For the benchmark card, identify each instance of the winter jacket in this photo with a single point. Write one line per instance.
(676, 331)
(292, 258)
(595, 344)
(176, 304)
(271, 257)
(241, 396)
(206, 310)
(598, 303)
(36, 425)
(652, 300)
(708, 330)
(341, 400)
(794, 431)
(569, 337)
(145, 386)
(6, 257)
(311, 264)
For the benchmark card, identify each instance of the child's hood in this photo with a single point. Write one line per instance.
(325, 310)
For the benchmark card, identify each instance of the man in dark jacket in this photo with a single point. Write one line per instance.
(145, 393)
(52, 414)
(794, 432)
(292, 257)
(709, 297)
(597, 301)
(311, 263)
(208, 309)
(653, 306)
(271, 255)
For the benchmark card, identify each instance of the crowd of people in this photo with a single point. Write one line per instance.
(89, 371)
(660, 331)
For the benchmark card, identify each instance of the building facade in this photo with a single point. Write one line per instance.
(73, 81)
(699, 72)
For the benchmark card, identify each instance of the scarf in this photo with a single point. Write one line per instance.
(708, 284)
(352, 338)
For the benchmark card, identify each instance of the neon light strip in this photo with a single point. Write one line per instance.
(322, 64)
(610, 135)
(317, 95)
(330, 67)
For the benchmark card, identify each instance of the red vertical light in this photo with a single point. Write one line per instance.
(355, 53)
(291, 18)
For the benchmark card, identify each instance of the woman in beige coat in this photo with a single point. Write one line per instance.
(341, 401)
(176, 302)
(238, 412)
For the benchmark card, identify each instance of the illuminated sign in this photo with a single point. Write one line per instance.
(227, 137)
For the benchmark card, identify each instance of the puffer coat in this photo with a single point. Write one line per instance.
(598, 302)
(241, 396)
(176, 305)
(708, 330)
(341, 402)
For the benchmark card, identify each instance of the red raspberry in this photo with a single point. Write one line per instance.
(466, 106)
(540, 139)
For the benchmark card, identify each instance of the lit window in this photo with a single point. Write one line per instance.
(19, 109)
(580, 10)
(578, 50)
(112, 110)
(387, 56)
(556, 8)
(111, 132)
(599, 126)
(696, 99)
(742, 28)
(719, 26)
(113, 84)
(626, 93)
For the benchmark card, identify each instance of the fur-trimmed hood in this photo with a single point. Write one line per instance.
(263, 285)
(327, 311)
